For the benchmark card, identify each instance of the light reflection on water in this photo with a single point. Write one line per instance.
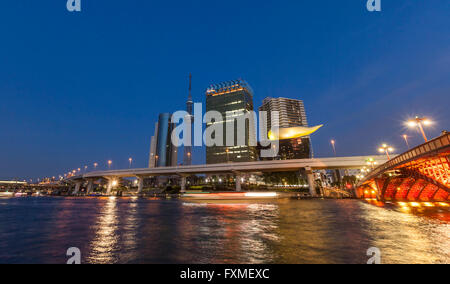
(130, 230)
(104, 246)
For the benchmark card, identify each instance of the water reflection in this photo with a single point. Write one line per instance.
(121, 230)
(237, 232)
(104, 246)
(405, 237)
(258, 232)
(129, 228)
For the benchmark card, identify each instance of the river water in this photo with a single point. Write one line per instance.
(132, 230)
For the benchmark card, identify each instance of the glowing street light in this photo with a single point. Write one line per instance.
(371, 162)
(95, 166)
(420, 122)
(406, 140)
(109, 164)
(386, 149)
(333, 144)
(130, 160)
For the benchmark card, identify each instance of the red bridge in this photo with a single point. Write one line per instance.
(419, 175)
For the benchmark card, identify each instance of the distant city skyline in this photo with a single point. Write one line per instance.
(85, 88)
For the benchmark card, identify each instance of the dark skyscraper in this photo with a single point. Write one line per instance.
(291, 114)
(187, 158)
(162, 151)
(231, 98)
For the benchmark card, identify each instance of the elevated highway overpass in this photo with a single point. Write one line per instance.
(356, 162)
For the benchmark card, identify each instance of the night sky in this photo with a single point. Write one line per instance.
(79, 88)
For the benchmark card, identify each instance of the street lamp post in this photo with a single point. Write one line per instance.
(109, 164)
(95, 166)
(333, 144)
(386, 149)
(406, 140)
(419, 122)
(131, 161)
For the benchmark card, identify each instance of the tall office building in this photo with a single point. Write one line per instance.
(187, 158)
(162, 151)
(291, 114)
(233, 99)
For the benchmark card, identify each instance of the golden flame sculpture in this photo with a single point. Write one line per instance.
(292, 132)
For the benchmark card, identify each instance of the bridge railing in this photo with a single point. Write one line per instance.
(421, 150)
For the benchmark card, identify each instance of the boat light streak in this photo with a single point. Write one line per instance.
(260, 194)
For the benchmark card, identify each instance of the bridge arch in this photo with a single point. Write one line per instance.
(421, 174)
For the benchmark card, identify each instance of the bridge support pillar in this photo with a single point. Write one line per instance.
(110, 186)
(77, 187)
(90, 186)
(311, 182)
(183, 184)
(140, 184)
(379, 190)
(238, 183)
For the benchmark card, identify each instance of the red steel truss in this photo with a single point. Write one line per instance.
(437, 169)
(421, 174)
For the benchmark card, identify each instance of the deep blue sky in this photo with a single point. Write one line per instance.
(78, 88)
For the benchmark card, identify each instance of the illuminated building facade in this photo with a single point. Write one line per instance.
(162, 151)
(291, 114)
(233, 99)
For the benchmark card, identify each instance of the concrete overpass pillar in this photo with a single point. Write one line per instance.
(183, 184)
(77, 187)
(110, 187)
(140, 184)
(238, 183)
(90, 186)
(311, 182)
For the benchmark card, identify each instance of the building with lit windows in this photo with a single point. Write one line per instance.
(232, 99)
(291, 114)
